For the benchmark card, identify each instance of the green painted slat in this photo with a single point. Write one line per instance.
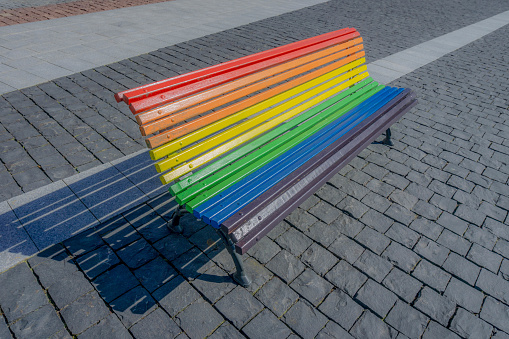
(230, 158)
(291, 139)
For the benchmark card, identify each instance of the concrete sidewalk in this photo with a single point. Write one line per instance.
(409, 241)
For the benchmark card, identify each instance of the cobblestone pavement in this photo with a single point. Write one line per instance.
(409, 241)
(24, 14)
(54, 130)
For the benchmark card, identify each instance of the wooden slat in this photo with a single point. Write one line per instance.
(154, 88)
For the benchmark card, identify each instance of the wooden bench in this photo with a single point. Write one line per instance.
(245, 142)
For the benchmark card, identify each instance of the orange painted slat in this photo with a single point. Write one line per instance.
(158, 115)
(178, 131)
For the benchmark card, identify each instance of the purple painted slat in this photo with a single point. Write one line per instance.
(318, 175)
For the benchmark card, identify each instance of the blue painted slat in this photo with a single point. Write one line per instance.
(253, 188)
(220, 207)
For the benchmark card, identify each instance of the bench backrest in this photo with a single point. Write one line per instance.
(197, 117)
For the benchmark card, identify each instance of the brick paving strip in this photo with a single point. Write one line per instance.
(405, 241)
(47, 12)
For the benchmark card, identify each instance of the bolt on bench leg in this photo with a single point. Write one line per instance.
(387, 141)
(174, 223)
(240, 275)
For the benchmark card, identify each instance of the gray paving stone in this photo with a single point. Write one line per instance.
(239, 306)
(428, 228)
(373, 265)
(330, 194)
(155, 273)
(286, 266)
(346, 248)
(173, 246)
(265, 325)
(435, 330)
(301, 219)
(452, 223)
(69, 288)
(115, 282)
(311, 286)
(345, 277)
(84, 312)
(497, 228)
(226, 331)
(462, 268)
(133, 305)
(325, 212)
(84, 242)
(347, 225)
(214, 284)
(493, 285)
(403, 198)
(264, 250)
(341, 308)
(431, 275)
(402, 284)
(20, 293)
(481, 237)
(373, 240)
(484, 258)
(304, 319)
(454, 242)
(403, 235)
(377, 221)
(407, 320)
(192, 263)
(319, 259)
(496, 313)
(376, 297)
(137, 254)
(117, 232)
(277, 296)
(400, 214)
(259, 274)
(42, 323)
(109, 327)
(175, 295)
(352, 207)
(370, 326)
(333, 331)
(434, 305)
(294, 241)
(431, 251)
(401, 257)
(97, 261)
(469, 326)
(199, 319)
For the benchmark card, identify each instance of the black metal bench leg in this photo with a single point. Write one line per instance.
(240, 275)
(387, 141)
(174, 223)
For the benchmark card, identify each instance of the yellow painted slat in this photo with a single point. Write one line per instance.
(190, 138)
(203, 159)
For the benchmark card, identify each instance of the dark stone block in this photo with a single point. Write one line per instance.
(431, 251)
(304, 319)
(373, 240)
(373, 265)
(226, 331)
(97, 261)
(319, 259)
(277, 296)
(370, 326)
(401, 256)
(469, 326)
(437, 307)
(435, 330)
(347, 278)
(239, 306)
(132, 306)
(266, 325)
(137, 254)
(294, 241)
(69, 288)
(51, 271)
(376, 297)
(155, 273)
(41, 323)
(84, 242)
(428, 228)
(403, 234)
(311, 286)
(325, 212)
(175, 295)
(117, 232)
(431, 275)
(485, 258)
(173, 246)
(115, 282)
(352, 207)
(286, 266)
(402, 284)
(193, 263)
(346, 248)
(199, 319)
(341, 308)
(109, 327)
(301, 219)
(496, 313)
(407, 320)
(454, 242)
(323, 233)
(493, 285)
(264, 250)
(214, 284)
(333, 331)
(462, 268)
(453, 223)
(20, 293)
(84, 312)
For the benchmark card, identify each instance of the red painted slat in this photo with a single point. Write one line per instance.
(196, 87)
(201, 74)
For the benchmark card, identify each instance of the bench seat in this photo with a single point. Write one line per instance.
(243, 143)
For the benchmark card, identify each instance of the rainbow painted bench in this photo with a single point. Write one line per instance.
(245, 142)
